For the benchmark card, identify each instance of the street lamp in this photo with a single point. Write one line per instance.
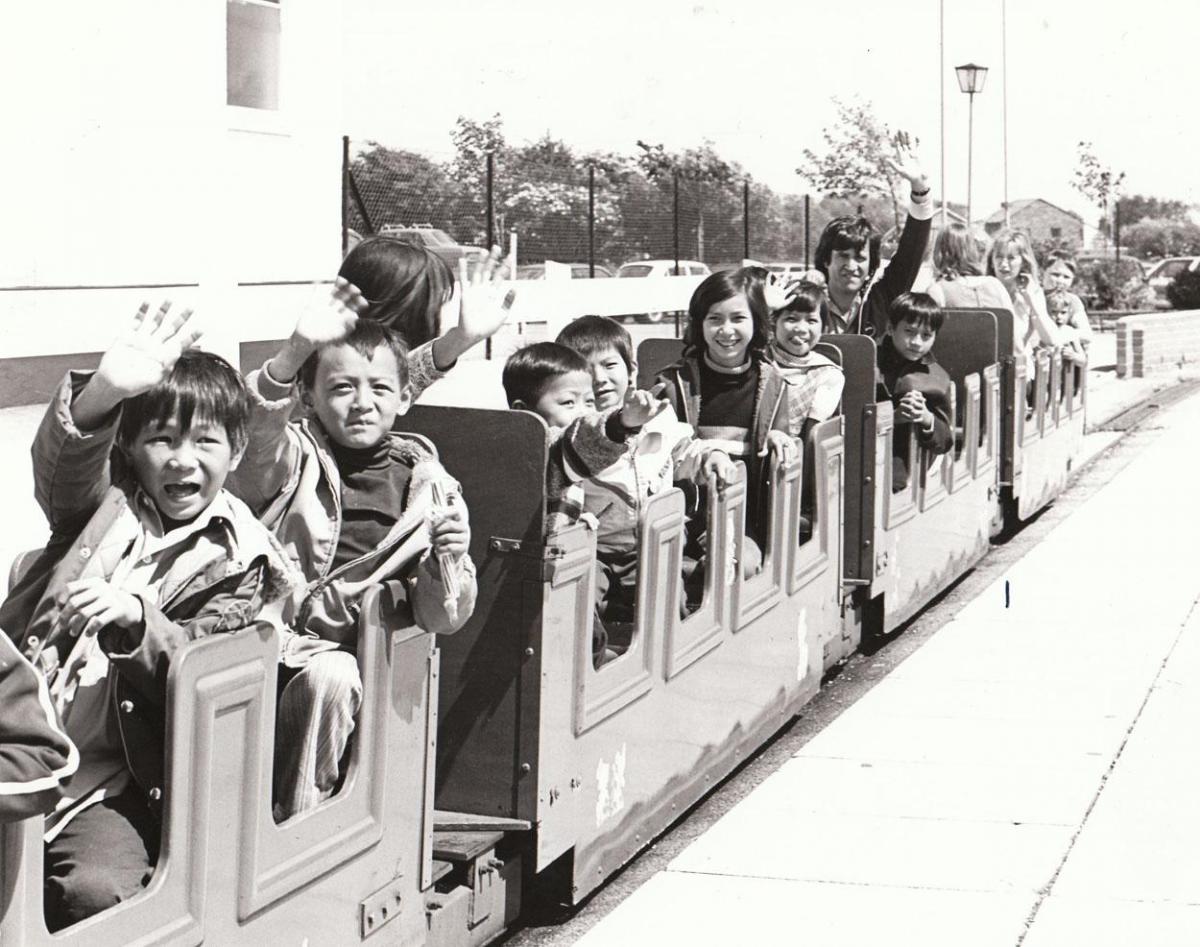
(970, 80)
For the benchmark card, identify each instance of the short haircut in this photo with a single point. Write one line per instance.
(804, 296)
(405, 285)
(202, 388)
(366, 338)
(588, 335)
(530, 370)
(1061, 256)
(748, 281)
(956, 253)
(916, 307)
(1013, 238)
(1059, 296)
(841, 233)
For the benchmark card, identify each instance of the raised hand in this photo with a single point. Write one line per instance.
(328, 317)
(640, 406)
(483, 304)
(93, 603)
(905, 162)
(144, 355)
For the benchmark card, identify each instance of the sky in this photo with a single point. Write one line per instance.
(758, 78)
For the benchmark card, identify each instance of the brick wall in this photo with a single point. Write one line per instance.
(1157, 342)
(1039, 219)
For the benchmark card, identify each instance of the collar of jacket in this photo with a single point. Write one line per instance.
(769, 397)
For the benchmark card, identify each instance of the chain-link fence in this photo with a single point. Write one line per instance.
(596, 215)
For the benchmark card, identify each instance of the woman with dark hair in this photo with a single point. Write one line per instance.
(407, 287)
(843, 256)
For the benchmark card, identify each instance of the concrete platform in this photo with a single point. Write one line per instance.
(1026, 778)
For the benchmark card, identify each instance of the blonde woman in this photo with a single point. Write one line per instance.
(1012, 262)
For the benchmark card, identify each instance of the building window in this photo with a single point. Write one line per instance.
(252, 53)
(1056, 232)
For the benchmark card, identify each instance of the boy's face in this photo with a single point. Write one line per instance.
(183, 471)
(913, 340)
(565, 398)
(610, 378)
(1059, 308)
(357, 399)
(797, 332)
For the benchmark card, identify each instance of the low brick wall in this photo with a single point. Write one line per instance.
(1156, 342)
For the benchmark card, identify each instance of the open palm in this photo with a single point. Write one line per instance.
(484, 304)
(143, 356)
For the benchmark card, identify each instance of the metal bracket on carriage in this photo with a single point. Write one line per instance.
(529, 550)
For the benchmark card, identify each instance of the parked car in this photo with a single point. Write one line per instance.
(1102, 283)
(437, 241)
(578, 271)
(648, 268)
(788, 271)
(1163, 274)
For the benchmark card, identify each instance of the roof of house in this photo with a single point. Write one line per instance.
(1015, 207)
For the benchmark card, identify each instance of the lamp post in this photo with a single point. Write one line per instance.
(970, 80)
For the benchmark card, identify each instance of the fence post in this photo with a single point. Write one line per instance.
(746, 220)
(591, 221)
(675, 221)
(1117, 240)
(807, 258)
(491, 207)
(345, 194)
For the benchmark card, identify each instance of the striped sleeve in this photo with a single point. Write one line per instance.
(35, 754)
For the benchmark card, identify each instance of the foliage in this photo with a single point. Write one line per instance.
(1184, 291)
(1152, 238)
(1097, 182)
(1136, 207)
(853, 164)
(1105, 285)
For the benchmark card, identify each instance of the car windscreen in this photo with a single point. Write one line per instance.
(638, 269)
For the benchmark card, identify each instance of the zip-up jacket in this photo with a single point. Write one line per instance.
(219, 581)
(288, 476)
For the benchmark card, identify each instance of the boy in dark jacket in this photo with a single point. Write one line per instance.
(917, 385)
(146, 553)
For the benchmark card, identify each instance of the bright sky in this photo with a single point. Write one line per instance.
(757, 78)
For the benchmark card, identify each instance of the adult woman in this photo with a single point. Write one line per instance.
(842, 257)
(1012, 262)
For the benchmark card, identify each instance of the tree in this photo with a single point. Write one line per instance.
(1159, 238)
(402, 188)
(1136, 207)
(1097, 182)
(854, 164)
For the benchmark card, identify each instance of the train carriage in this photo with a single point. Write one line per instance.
(502, 759)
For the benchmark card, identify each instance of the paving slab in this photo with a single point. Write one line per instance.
(1094, 922)
(697, 910)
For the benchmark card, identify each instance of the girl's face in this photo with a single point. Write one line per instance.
(728, 328)
(1058, 276)
(797, 332)
(1008, 263)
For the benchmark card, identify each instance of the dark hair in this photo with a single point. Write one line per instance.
(405, 285)
(529, 370)
(916, 307)
(747, 281)
(588, 335)
(202, 388)
(1060, 256)
(804, 296)
(366, 338)
(841, 233)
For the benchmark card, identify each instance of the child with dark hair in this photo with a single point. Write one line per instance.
(664, 452)
(588, 452)
(354, 504)
(916, 384)
(147, 552)
(735, 400)
(409, 289)
(815, 381)
(843, 256)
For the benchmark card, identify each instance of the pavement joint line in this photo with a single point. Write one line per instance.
(1045, 891)
(830, 881)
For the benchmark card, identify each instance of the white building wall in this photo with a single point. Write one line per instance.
(124, 167)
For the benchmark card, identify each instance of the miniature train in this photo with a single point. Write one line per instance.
(500, 762)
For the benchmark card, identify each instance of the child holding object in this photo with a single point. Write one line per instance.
(588, 456)
(914, 382)
(354, 504)
(147, 553)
